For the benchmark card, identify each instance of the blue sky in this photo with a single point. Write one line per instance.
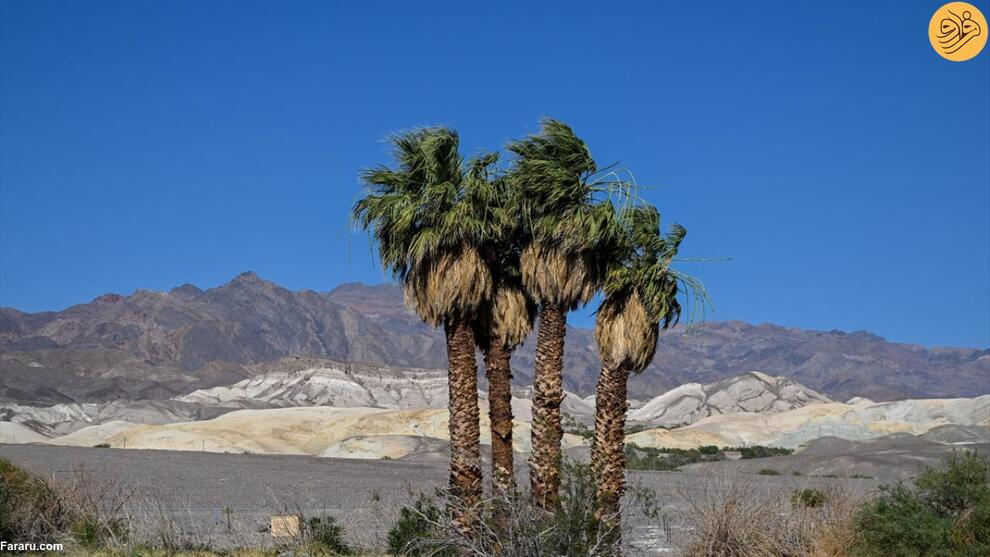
(826, 148)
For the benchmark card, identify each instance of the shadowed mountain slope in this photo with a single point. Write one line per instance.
(164, 344)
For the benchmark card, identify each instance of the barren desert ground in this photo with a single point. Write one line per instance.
(196, 489)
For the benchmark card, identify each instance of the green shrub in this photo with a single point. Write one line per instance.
(90, 533)
(102, 446)
(759, 451)
(325, 532)
(709, 450)
(946, 513)
(768, 472)
(520, 530)
(30, 509)
(659, 459)
(415, 528)
(810, 498)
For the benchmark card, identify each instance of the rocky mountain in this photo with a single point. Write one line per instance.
(751, 392)
(161, 344)
(155, 345)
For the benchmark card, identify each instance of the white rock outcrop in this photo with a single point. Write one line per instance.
(750, 392)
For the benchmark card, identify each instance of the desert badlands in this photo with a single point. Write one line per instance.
(329, 409)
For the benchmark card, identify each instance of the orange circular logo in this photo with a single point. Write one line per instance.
(958, 31)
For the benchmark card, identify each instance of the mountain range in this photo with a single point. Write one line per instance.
(158, 345)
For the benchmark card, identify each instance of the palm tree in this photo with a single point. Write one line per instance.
(506, 323)
(566, 230)
(503, 325)
(427, 218)
(505, 320)
(640, 298)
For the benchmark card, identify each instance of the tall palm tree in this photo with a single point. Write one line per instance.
(567, 228)
(505, 320)
(641, 291)
(427, 218)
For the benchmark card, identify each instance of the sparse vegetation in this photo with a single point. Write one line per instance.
(30, 509)
(667, 460)
(759, 451)
(416, 526)
(735, 518)
(33, 509)
(524, 531)
(768, 472)
(811, 498)
(659, 459)
(325, 533)
(945, 513)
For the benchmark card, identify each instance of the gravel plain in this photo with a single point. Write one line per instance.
(225, 500)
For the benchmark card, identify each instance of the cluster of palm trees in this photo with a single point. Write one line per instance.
(486, 252)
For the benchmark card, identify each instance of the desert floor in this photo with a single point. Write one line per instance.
(222, 500)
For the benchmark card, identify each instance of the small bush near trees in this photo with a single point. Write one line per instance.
(327, 534)
(522, 530)
(945, 513)
(768, 472)
(416, 527)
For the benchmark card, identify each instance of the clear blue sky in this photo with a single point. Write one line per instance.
(823, 146)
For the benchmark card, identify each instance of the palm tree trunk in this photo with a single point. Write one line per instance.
(499, 374)
(548, 392)
(465, 444)
(608, 458)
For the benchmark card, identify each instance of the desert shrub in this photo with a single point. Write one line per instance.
(102, 446)
(710, 450)
(759, 451)
(521, 530)
(945, 513)
(659, 459)
(30, 509)
(811, 498)
(415, 528)
(767, 472)
(90, 532)
(733, 517)
(325, 532)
